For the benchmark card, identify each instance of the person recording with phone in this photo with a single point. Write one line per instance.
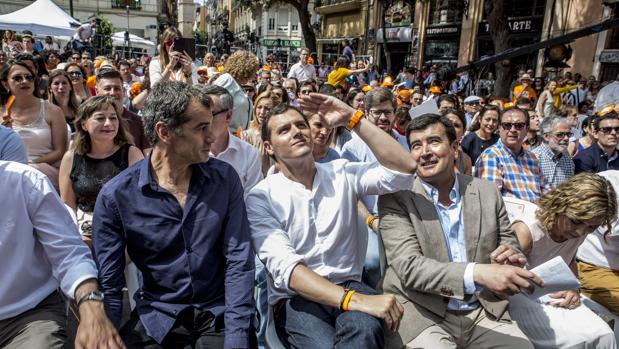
(172, 63)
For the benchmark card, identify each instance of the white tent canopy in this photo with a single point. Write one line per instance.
(118, 39)
(42, 17)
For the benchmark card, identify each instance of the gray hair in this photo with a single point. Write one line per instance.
(167, 102)
(549, 123)
(378, 96)
(225, 98)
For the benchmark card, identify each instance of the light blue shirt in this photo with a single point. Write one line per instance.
(11, 146)
(40, 246)
(452, 222)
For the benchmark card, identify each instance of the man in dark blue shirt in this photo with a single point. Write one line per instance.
(602, 155)
(182, 221)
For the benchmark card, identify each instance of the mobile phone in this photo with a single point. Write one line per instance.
(186, 45)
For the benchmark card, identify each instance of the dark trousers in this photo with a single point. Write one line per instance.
(193, 327)
(301, 323)
(40, 327)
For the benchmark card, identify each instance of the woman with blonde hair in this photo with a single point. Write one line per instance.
(264, 103)
(171, 64)
(556, 226)
(61, 93)
(209, 63)
(101, 149)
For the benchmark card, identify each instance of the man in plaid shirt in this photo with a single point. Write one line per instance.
(515, 170)
(555, 161)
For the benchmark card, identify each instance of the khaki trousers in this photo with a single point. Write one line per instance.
(471, 330)
(40, 327)
(600, 284)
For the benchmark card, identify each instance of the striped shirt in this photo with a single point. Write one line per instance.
(517, 176)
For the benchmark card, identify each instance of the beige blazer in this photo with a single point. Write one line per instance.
(418, 269)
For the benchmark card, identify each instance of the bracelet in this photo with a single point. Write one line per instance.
(354, 120)
(347, 300)
(346, 290)
(369, 220)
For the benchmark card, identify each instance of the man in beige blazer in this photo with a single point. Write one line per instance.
(451, 254)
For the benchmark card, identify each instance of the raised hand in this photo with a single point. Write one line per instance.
(506, 255)
(332, 111)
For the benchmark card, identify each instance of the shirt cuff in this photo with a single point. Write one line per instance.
(236, 341)
(77, 274)
(469, 282)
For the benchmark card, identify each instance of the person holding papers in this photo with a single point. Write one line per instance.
(556, 227)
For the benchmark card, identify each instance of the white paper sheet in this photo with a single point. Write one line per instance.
(557, 276)
(427, 107)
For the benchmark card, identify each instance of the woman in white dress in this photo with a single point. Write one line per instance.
(556, 227)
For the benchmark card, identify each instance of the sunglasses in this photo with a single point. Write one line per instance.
(20, 78)
(75, 74)
(507, 126)
(561, 135)
(608, 129)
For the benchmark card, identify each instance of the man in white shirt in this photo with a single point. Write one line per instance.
(241, 155)
(379, 105)
(301, 70)
(41, 252)
(304, 228)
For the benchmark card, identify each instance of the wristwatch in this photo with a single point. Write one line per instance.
(96, 296)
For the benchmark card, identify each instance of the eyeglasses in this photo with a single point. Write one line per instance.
(220, 112)
(378, 112)
(75, 74)
(507, 126)
(473, 103)
(20, 78)
(608, 129)
(561, 135)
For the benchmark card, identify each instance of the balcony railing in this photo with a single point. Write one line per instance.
(329, 2)
(133, 4)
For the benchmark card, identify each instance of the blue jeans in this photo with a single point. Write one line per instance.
(371, 265)
(301, 323)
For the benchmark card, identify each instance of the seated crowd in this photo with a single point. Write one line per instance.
(240, 209)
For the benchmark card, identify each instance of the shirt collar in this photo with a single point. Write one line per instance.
(454, 193)
(146, 177)
(503, 148)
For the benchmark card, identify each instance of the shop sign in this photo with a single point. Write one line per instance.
(282, 43)
(398, 34)
(398, 14)
(516, 25)
(609, 56)
(442, 30)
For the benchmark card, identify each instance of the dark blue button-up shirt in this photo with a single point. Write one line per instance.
(594, 160)
(199, 256)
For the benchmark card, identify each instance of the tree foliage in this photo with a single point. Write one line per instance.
(105, 29)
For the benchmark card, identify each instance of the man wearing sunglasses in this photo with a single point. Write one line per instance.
(513, 169)
(555, 161)
(601, 155)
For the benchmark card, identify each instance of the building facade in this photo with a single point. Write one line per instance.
(455, 32)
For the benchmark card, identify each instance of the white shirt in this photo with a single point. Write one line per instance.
(356, 150)
(40, 247)
(302, 72)
(245, 160)
(291, 225)
(595, 249)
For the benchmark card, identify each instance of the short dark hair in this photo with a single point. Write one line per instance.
(524, 101)
(108, 73)
(527, 118)
(448, 98)
(167, 102)
(458, 113)
(608, 116)
(265, 130)
(377, 96)
(424, 121)
(123, 62)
